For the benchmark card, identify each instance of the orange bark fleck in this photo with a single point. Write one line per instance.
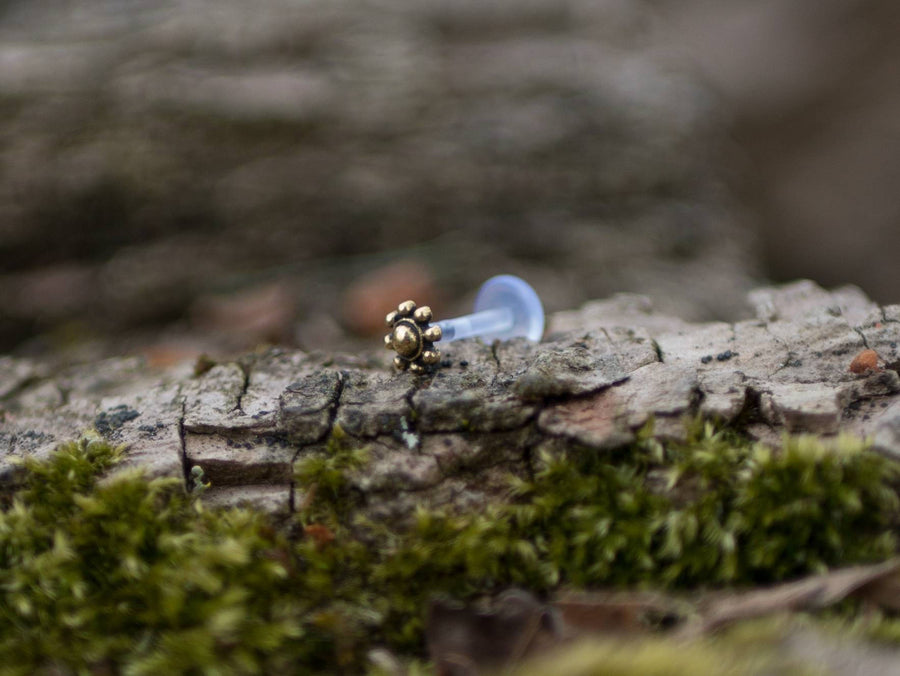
(865, 361)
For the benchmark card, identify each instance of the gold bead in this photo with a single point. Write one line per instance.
(406, 338)
(410, 335)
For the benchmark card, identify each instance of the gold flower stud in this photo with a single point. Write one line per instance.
(412, 338)
(505, 307)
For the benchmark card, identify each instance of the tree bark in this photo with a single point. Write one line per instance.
(451, 437)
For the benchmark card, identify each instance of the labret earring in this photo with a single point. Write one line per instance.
(505, 307)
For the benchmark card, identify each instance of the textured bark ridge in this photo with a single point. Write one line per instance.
(452, 437)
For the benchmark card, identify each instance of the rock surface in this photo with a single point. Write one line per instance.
(603, 371)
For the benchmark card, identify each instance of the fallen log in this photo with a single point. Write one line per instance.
(451, 437)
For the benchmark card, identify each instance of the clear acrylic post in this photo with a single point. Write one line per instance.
(506, 307)
(481, 323)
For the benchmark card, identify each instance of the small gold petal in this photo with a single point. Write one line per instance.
(388, 342)
(433, 333)
(431, 356)
(423, 314)
(389, 320)
(406, 308)
(401, 363)
(417, 368)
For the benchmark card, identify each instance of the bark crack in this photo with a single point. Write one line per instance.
(186, 470)
(335, 404)
(790, 361)
(496, 357)
(409, 432)
(790, 358)
(658, 350)
(239, 405)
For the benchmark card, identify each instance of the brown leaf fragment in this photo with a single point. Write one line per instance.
(865, 362)
(465, 640)
(369, 297)
(882, 591)
(263, 314)
(320, 534)
(618, 612)
(878, 583)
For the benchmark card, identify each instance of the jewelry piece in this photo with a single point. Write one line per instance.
(505, 307)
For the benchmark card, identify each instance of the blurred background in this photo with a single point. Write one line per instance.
(187, 176)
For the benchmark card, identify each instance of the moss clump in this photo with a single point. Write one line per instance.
(744, 513)
(859, 619)
(730, 512)
(130, 575)
(877, 626)
(749, 650)
(134, 575)
(324, 478)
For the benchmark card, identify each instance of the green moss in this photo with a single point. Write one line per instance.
(136, 575)
(756, 515)
(878, 626)
(729, 655)
(130, 574)
(323, 476)
(861, 620)
(733, 512)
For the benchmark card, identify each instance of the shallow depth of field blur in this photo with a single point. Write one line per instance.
(209, 175)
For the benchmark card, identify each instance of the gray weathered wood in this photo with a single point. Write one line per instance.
(603, 371)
